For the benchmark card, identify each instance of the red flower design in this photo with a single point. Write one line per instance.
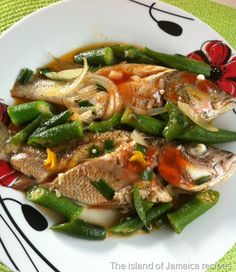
(8, 175)
(218, 55)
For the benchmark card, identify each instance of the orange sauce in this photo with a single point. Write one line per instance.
(204, 85)
(171, 165)
(151, 155)
(188, 78)
(207, 86)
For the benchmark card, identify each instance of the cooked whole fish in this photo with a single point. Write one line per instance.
(192, 167)
(195, 166)
(139, 86)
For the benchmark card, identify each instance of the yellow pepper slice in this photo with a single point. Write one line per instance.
(138, 157)
(51, 160)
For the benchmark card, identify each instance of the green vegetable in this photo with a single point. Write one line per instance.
(44, 71)
(160, 222)
(24, 76)
(202, 180)
(147, 205)
(141, 148)
(94, 151)
(200, 203)
(56, 135)
(135, 224)
(131, 54)
(85, 104)
(109, 146)
(200, 135)
(127, 227)
(138, 204)
(82, 230)
(147, 175)
(100, 87)
(104, 188)
(177, 123)
(23, 135)
(25, 112)
(96, 57)
(143, 123)
(180, 62)
(56, 203)
(56, 120)
(105, 125)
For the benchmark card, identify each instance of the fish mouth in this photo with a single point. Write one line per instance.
(223, 105)
(225, 168)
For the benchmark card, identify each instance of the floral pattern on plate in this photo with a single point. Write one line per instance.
(219, 56)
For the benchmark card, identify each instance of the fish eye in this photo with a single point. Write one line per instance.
(197, 150)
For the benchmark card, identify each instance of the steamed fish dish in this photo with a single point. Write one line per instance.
(118, 139)
(144, 88)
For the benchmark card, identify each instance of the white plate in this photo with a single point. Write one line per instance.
(61, 28)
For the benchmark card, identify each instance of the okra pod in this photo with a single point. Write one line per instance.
(56, 135)
(160, 222)
(138, 204)
(143, 123)
(177, 123)
(82, 230)
(135, 223)
(131, 54)
(23, 135)
(147, 205)
(200, 203)
(24, 76)
(96, 57)
(180, 62)
(105, 125)
(56, 120)
(59, 204)
(25, 112)
(200, 135)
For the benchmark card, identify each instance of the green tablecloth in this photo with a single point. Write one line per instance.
(221, 18)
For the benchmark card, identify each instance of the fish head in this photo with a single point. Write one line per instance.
(202, 95)
(195, 166)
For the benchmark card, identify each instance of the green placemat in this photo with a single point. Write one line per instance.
(12, 11)
(3, 268)
(221, 18)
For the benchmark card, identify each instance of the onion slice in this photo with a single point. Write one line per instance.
(65, 74)
(151, 112)
(76, 74)
(187, 110)
(138, 138)
(114, 103)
